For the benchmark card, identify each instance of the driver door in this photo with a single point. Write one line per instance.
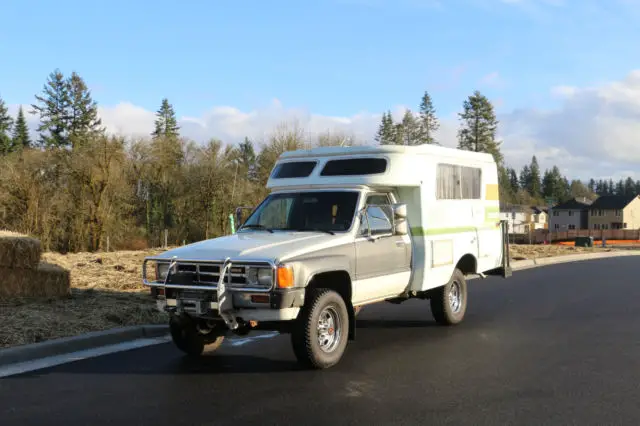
(380, 255)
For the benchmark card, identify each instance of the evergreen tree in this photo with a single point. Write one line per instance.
(428, 120)
(534, 183)
(629, 187)
(20, 137)
(398, 134)
(6, 122)
(411, 129)
(166, 124)
(592, 185)
(386, 134)
(513, 181)
(83, 111)
(479, 127)
(247, 158)
(565, 189)
(53, 110)
(525, 177)
(619, 190)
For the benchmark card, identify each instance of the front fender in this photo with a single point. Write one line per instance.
(305, 269)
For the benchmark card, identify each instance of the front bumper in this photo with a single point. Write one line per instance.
(234, 305)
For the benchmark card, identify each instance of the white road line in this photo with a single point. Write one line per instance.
(38, 364)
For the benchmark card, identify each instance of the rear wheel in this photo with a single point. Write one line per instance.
(319, 337)
(191, 338)
(449, 302)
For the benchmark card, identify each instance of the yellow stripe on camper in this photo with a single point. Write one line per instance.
(492, 192)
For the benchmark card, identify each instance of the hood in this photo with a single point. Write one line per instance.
(255, 245)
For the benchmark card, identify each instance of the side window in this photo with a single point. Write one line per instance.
(378, 221)
(376, 216)
(378, 199)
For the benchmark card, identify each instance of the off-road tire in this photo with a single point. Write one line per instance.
(441, 308)
(189, 340)
(304, 335)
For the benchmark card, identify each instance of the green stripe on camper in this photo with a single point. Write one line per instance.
(491, 213)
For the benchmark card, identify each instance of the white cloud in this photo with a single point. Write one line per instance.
(595, 132)
(493, 79)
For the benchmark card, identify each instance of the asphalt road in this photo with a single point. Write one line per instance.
(557, 345)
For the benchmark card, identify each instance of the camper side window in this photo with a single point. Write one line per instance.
(455, 182)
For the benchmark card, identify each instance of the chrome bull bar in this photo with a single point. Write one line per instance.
(225, 299)
(224, 294)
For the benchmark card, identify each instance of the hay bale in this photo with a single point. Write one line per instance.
(19, 251)
(46, 280)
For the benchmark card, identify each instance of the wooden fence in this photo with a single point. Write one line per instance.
(541, 235)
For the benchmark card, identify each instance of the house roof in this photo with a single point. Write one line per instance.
(612, 202)
(572, 204)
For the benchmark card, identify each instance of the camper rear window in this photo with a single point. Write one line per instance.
(354, 166)
(455, 182)
(297, 169)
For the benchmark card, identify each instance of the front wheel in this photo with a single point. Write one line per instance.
(321, 332)
(449, 302)
(192, 339)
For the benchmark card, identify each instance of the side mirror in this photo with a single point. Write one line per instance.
(239, 221)
(401, 226)
(399, 211)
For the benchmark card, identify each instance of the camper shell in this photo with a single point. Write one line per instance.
(342, 227)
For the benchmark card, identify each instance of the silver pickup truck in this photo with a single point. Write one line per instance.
(326, 241)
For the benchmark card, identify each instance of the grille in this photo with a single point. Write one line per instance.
(208, 275)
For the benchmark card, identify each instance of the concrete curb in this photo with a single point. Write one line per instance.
(66, 345)
(519, 265)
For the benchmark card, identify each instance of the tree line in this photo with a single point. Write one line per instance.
(76, 187)
(477, 132)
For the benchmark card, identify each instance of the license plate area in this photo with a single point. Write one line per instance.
(195, 302)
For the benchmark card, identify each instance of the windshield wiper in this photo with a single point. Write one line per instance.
(310, 230)
(256, 226)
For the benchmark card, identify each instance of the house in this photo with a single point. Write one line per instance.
(570, 215)
(538, 218)
(615, 212)
(523, 219)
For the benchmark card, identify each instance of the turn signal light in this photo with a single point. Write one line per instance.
(285, 276)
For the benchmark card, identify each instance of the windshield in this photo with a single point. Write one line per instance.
(325, 211)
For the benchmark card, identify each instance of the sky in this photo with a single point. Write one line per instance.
(563, 75)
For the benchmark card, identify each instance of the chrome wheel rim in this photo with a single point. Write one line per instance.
(329, 329)
(455, 297)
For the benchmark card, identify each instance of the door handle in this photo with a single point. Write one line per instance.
(399, 243)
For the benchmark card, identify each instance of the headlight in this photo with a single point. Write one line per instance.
(161, 271)
(265, 277)
(262, 277)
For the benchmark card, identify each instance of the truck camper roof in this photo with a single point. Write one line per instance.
(370, 165)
